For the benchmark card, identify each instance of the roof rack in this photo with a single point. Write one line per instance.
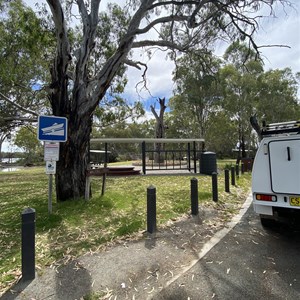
(291, 127)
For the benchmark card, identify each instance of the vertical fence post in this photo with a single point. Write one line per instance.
(232, 175)
(195, 158)
(28, 244)
(237, 170)
(242, 168)
(189, 157)
(151, 209)
(144, 157)
(106, 155)
(227, 189)
(194, 197)
(214, 178)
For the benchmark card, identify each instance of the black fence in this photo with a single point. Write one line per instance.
(174, 159)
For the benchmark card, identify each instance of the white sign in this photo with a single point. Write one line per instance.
(50, 167)
(51, 151)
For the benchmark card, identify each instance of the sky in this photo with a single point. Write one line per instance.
(281, 30)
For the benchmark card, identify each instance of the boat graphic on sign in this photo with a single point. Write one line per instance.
(55, 129)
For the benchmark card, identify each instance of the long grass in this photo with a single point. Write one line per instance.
(76, 227)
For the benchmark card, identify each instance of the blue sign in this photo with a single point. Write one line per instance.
(52, 129)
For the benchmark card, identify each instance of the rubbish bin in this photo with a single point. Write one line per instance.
(208, 163)
(248, 162)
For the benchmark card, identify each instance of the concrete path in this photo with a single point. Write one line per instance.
(145, 268)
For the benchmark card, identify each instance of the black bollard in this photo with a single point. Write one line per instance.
(249, 167)
(214, 178)
(151, 209)
(237, 170)
(227, 189)
(194, 197)
(242, 168)
(28, 244)
(232, 175)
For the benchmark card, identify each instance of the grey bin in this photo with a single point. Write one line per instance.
(208, 163)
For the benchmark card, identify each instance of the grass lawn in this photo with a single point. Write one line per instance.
(76, 227)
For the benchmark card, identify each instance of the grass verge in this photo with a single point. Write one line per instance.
(77, 227)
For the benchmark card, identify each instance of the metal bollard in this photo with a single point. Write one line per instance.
(232, 175)
(214, 178)
(237, 170)
(227, 189)
(194, 197)
(28, 244)
(151, 209)
(249, 167)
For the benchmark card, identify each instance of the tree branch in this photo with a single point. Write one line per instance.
(5, 98)
(22, 119)
(134, 64)
(179, 3)
(160, 43)
(192, 20)
(154, 112)
(167, 19)
(82, 10)
(269, 46)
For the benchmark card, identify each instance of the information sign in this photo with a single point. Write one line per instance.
(51, 151)
(52, 129)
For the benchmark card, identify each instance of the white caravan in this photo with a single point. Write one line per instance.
(276, 173)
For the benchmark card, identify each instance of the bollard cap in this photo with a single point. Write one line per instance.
(151, 187)
(28, 215)
(28, 210)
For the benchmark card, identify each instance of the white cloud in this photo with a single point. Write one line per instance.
(158, 77)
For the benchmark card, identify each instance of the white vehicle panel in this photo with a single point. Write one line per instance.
(285, 166)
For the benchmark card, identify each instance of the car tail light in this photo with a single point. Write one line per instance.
(263, 197)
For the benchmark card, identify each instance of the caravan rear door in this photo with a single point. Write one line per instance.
(284, 158)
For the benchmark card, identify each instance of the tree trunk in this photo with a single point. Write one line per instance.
(74, 159)
(159, 130)
(0, 151)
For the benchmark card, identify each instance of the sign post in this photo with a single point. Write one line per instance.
(52, 130)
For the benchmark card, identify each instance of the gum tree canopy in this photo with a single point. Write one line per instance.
(87, 65)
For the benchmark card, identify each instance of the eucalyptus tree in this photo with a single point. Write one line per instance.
(84, 69)
(278, 99)
(240, 91)
(181, 121)
(23, 47)
(26, 140)
(197, 86)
